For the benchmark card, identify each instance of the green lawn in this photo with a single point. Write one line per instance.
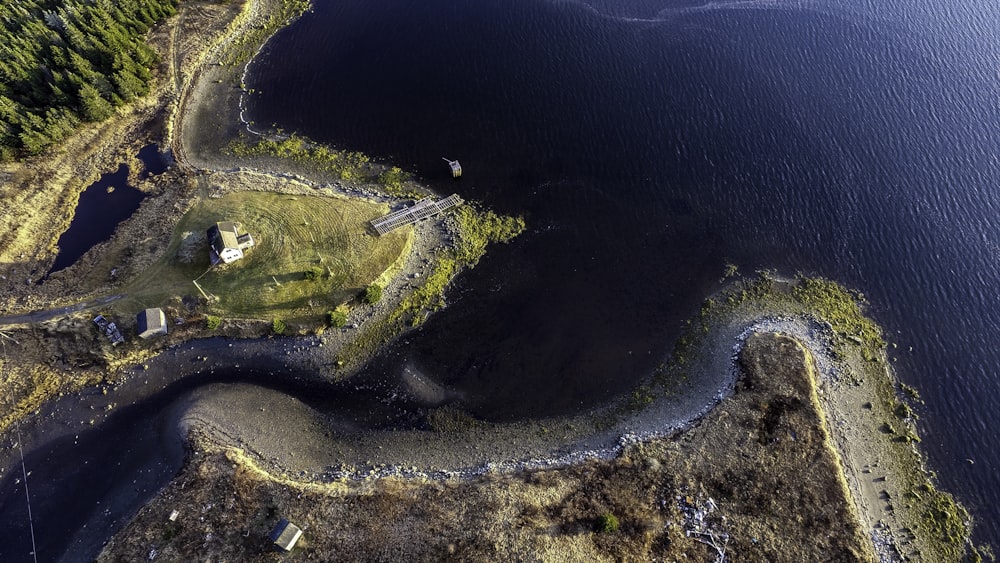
(294, 235)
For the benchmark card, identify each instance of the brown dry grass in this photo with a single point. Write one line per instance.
(763, 457)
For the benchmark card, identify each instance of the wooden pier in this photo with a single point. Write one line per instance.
(421, 210)
(456, 168)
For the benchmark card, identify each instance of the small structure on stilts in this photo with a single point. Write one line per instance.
(456, 168)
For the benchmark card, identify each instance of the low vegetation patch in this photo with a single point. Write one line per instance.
(337, 318)
(373, 294)
(607, 523)
(346, 165)
(351, 166)
(212, 322)
(841, 308)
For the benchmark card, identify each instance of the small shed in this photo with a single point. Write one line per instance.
(284, 535)
(151, 322)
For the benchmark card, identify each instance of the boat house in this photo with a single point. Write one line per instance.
(284, 535)
(227, 241)
(151, 322)
(456, 168)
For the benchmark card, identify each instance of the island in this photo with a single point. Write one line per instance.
(774, 429)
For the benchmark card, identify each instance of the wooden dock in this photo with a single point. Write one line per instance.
(421, 210)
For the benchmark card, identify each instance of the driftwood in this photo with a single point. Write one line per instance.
(698, 528)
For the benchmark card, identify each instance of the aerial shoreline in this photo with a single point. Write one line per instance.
(648, 424)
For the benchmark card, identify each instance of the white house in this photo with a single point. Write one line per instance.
(227, 241)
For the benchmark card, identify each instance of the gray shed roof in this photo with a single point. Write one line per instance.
(285, 534)
(224, 236)
(151, 322)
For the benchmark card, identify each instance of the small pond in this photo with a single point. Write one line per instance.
(103, 206)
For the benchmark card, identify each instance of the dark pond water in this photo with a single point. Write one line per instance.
(651, 142)
(103, 206)
(152, 160)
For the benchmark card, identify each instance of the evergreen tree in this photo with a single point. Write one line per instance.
(93, 106)
(63, 61)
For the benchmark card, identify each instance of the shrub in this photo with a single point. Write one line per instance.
(393, 179)
(213, 322)
(314, 273)
(336, 318)
(278, 326)
(373, 294)
(607, 523)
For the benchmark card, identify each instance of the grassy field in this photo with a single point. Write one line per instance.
(311, 254)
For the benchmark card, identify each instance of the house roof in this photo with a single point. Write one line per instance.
(224, 235)
(285, 534)
(151, 321)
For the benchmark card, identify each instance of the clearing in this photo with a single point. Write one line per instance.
(312, 253)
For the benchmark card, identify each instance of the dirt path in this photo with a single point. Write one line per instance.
(50, 314)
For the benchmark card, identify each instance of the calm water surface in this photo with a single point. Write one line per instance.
(651, 142)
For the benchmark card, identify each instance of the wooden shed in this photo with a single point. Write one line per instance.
(285, 535)
(151, 322)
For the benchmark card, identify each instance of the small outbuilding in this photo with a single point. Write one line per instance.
(285, 535)
(228, 240)
(151, 322)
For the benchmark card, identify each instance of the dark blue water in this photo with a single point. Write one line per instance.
(152, 160)
(97, 215)
(651, 142)
(103, 206)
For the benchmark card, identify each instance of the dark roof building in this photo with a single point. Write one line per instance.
(151, 322)
(284, 535)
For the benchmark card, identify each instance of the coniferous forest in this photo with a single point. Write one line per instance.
(64, 62)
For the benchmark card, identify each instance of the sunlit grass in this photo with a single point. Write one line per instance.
(311, 254)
